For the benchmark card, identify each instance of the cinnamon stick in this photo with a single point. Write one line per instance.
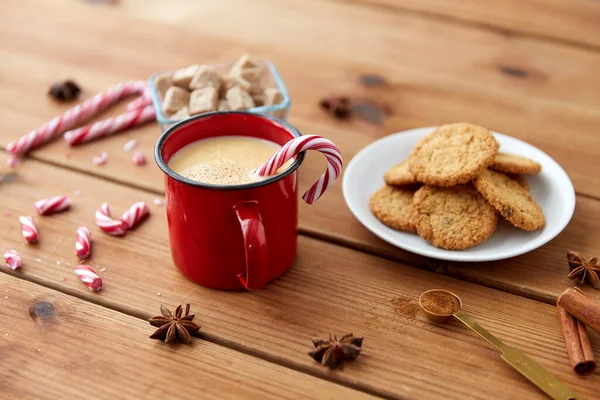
(581, 307)
(577, 343)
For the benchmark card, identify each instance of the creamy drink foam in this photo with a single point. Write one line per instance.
(224, 160)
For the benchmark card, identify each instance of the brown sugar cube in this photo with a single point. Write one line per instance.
(206, 76)
(175, 98)
(233, 81)
(203, 100)
(223, 105)
(272, 96)
(244, 62)
(163, 82)
(183, 77)
(182, 113)
(248, 78)
(238, 99)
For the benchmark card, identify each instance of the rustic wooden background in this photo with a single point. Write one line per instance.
(526, 68)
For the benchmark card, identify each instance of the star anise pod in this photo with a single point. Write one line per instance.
(339, 107)
(586, 270)
(333, 352)
(174, 327)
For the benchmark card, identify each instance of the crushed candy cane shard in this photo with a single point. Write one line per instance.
(139, 158)
(89, 277)
(135, 214)
(52, 205)
(28, 229)
(83, 243)
(130, 145)
(13, 260)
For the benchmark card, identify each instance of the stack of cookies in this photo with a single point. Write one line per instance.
(201, 88)
(453, 187)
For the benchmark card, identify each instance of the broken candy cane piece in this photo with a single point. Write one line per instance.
(130, 145)
(135, 214)
(107, 224)
(28, 229)
(101, 159)
(52, 205)
(89, 277)
(83, 245)
(13, 260)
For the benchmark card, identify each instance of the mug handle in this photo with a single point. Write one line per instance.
(255, 245)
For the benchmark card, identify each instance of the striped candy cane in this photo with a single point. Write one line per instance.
(107, 224)
(89, 277)
(52, 205)
(135, 214)
(83, 245)
(110, 126)
(28, 229)
(13, 260)
(74, 117)
(297, 146)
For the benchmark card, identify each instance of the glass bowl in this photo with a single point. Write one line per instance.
(272, 79)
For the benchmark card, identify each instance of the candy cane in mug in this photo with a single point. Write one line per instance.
(28, 229)
(89, 277)
(107, 224)
(297, 146)
(74, 117)
(83, 244)
(13, 260)
(52, 205)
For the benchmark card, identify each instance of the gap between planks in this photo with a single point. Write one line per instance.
(471, 24)
(212, 338)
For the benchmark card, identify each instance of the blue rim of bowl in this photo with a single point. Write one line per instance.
(165, 168)
(283, 105)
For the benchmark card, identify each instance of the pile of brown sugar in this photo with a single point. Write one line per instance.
(439, 302)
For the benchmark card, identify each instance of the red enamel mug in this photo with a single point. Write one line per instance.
(231, 236)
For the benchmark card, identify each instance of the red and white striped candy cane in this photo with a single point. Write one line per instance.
(83, 245)
(110, 126)
(107, 224)
(28, 229)
(13, 260)
(89, 277)
(52, 205)
(135, 214)
(74, 117)
(142, 101)
(295, 147)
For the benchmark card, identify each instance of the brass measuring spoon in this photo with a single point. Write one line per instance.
(441, 306)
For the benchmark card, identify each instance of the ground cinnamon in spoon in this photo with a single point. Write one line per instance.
(439, 302)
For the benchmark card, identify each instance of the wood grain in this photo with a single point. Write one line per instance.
(539, 92)
(328, 288)
(58, 346)
(563, 21)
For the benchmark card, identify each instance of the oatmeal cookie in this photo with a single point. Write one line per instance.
(399, 175)
(453, 218)
(512, 201)
(453, 154)
(393, 206)
(514, 164)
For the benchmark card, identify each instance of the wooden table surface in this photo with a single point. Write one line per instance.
(526, 68)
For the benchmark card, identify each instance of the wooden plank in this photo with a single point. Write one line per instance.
(571, 22)
(328, 288)
(48, 353)
(539, 92)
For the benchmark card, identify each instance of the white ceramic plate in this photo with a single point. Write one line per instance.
(552, 189)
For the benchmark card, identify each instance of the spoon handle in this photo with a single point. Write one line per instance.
(475, 327)
(530, 369)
